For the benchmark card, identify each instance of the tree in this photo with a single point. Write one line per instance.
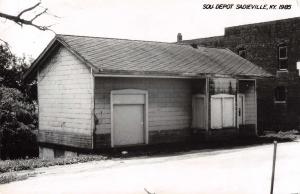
(21, 21)
(18, 19)
(18, 120)
(17, 108)
(11, 70)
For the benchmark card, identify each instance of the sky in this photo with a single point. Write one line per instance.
(154, 20)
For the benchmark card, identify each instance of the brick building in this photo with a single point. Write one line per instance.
(274, 46)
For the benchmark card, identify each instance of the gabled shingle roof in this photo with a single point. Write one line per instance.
(158, 58)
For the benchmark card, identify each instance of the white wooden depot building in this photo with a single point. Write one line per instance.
(96, 93)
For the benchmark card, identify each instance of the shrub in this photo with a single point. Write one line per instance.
(18, 121)
(29, 164)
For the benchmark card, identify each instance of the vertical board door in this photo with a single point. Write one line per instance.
(128, 124)
(222, 111)
(241, 114)
(199, 112)
(228, 112)
(216, 113)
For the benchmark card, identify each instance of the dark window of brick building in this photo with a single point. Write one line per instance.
(242, 52)
(282, 58)
(280, 94)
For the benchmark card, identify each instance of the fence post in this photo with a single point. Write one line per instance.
(273, 168)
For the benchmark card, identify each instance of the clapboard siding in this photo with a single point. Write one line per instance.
(250, 106)
(77, 140)
(65, 100)
(169, 102)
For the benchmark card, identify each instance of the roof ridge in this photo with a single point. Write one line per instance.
(87, 36)
(217, 36)
(135, 40)
(201, 46)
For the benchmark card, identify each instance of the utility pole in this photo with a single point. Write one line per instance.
(273, 168)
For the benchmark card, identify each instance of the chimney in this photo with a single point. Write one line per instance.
(179, 37)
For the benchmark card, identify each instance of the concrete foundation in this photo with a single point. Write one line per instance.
(46, 153)
(51, 153)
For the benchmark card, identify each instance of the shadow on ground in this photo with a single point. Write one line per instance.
(181, 148)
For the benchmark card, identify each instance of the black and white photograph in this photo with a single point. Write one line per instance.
(149, 96)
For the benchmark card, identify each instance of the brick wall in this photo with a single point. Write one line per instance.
(261, 42)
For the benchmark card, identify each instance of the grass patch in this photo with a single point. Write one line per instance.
(9, 168)
(29, 164)
(282, 135)
(13, 176)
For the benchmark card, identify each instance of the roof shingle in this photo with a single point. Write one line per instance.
(147, 57)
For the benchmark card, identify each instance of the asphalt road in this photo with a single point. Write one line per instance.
(232, 171)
